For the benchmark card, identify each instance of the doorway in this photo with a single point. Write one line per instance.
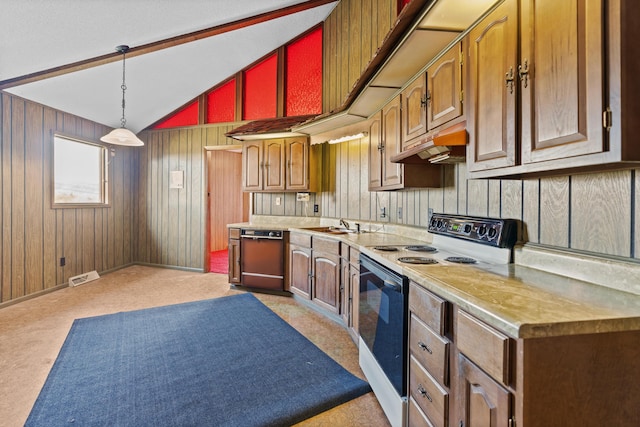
(226, 202)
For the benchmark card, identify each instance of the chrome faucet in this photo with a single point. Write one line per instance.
(344, 223)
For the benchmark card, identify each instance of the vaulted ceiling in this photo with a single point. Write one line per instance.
(62, 53)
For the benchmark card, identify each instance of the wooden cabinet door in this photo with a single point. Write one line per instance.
(481, 401)
(274, 165)
(493, 89)
(562, 106)
(252, 166)
(300, 271)
(234, 261)
(354, 303)
(297, 167)
(375, 154)
(414, 111)
(345, 291)
(444, 88)
(326, 281)
(391, 141)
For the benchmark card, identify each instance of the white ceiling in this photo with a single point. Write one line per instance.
(37, 35)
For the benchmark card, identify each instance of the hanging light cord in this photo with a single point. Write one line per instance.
(123, 121)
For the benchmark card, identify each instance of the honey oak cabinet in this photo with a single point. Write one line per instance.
(281, 164)
(350, 288)
(434, 98)
(545, 83)
(385, 136)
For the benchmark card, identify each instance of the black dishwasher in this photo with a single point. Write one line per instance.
(262, 259)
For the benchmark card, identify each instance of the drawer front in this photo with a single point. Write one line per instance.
(325, 245)
(300, 239)
(430, 349)
(484, 345)
(417, 418)
(430, 396)
(234, 233)
(430, 308)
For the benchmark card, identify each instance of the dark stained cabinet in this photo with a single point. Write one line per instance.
(300, 277)
(281, 164)
(326, 274)
(234, 255)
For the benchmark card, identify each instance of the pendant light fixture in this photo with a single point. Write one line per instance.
(122, 135)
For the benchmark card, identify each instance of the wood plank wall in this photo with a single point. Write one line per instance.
(171, 222)
(35, 236)
(596, 212)
(353, 32)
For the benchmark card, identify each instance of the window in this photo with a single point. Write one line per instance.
(79, 173)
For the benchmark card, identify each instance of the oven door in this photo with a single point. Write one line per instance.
(384, 297)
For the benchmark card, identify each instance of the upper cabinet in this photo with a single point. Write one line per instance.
(282, 164)
(546, 104)
(385, 135)
(434, 99)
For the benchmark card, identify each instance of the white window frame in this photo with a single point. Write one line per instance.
(102, 166)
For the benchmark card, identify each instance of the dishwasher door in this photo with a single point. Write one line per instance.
(262, 262)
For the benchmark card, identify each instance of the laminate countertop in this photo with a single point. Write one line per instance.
(521, 301)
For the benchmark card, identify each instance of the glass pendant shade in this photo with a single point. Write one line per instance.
(122, 136)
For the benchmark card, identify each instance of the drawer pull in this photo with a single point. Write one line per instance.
(425, 347)
(424, 393)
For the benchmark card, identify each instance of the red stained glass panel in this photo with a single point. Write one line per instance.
(402, 4)
(260, 90)
(303, 91)
(221, 103)
(188, 116)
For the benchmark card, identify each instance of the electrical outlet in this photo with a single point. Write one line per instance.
(399, 213)
(278, 201)
(315, 208)
(383, 212)
(63, 261)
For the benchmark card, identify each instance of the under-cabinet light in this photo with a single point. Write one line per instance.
(347, 138)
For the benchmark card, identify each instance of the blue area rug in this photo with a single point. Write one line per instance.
(222, 362)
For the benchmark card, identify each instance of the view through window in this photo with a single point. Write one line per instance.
(79, 172)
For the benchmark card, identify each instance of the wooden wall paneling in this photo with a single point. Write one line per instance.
(554, 211)
(5, 190)
(18, 197)
(153, 197)
(173, 207)
(69, 230)
(33, 199)
(531, 210)
(355, 41)
(602, 202)
(511, 202)
(477, 197)
(424, 203)
(493, 198)
(275, 208)
(363, 173)
(365, 30)
(343, 63)
(165, 219)
(462, 189)
(384, 19)
(353, 184)
(196, 196)
(411, 204)
(49, 231)
(342, 180)
(636, 213)
(375, 29)
(86, 234)
(331, 171)
(142, 210)
(455, 182)
(183, 217)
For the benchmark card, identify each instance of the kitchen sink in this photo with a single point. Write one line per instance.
(330, 230)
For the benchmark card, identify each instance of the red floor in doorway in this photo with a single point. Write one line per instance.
(219, 262)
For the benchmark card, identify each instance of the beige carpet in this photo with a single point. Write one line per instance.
(32, 332)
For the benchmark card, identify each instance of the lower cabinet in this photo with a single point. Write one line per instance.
(325, 265)
(234, 255)
(464, 372)
(315, 270)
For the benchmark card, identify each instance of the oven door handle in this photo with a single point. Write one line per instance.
(396, 287)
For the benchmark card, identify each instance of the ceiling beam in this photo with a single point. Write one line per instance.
(162, 44)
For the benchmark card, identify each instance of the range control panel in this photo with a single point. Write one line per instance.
(502, 233)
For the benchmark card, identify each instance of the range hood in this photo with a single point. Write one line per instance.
(446, 146)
